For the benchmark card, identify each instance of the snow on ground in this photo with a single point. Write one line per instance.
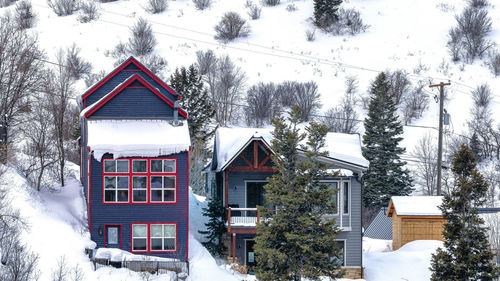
(410, 262)
(371, 245)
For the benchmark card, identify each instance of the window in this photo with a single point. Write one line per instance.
(341, 257)
(163, 188)
(346, 197)
(116, 166)
(115, 189)
(154, 237)
(140, 237)
(139, 181)
(163, 166)
(334, 186)
(112, 236)
(139, 189)
(163, 237)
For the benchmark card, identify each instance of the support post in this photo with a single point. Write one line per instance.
(440, 140)
(233, 247)
(229, 220)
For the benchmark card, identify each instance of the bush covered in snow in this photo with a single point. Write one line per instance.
(5, 3)
(202, 4)
(64, 7)
(494, 62)
(271, 2)
(24, 15)
(231, 26)
(142, 42)
(89, 11)
(156, 6)
(254, 11)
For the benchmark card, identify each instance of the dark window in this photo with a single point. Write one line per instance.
(139, 166)
(139, 189)
(340, 258)
(162, 188)
(346, 197)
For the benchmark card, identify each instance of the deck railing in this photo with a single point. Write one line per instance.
(242, 217)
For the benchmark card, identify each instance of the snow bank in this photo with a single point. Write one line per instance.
(417, 205)
(371, 245)
(147, 138)
(410, 262)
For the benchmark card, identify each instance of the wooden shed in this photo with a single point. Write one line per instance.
(415, 218)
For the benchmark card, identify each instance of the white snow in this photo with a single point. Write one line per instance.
(417, 205)
(410, 262)
(346, 147)
(146, 138)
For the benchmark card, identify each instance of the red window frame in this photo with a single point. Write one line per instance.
(148, 240)
(130, 174)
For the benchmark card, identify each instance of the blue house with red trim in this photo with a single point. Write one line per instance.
(134, 163)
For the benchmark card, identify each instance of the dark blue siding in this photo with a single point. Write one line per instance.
(125, 214)
(133, 102)
(118, 79)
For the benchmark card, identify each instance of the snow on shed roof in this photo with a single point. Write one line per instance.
(230, 141)
(415, 205)
(145, 138)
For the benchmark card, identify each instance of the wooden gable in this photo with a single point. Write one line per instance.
(254, 157)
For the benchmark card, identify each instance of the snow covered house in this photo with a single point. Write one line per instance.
(239, 170)
(415, 218)
(134, 163)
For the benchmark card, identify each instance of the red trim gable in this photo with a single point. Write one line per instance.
(135, 77)
(120, 68)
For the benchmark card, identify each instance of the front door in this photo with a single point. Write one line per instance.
(250, 254)
(255, 196)
(113, 236)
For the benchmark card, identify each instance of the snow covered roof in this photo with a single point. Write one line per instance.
(146, 138)
(230, 142)
(415, 206)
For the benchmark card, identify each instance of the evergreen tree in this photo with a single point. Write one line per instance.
(215, 227)
(325, 12)
(298, 240)
(386, 175)
(467, 254)
(197, 103)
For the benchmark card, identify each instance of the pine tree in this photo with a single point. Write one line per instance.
(386, 175)
(215, 227)
(195, 100)
(298, 240)
(467, 254)
(325, 12)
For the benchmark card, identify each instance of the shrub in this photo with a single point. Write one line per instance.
(291, 7)
(254, 11)
(271, 2)
(88, 11)
(262, 104)
(76, 65)
(64, 7)
(478, 3)
(5, 3)
(206, 61)
(349, 22)
(307, 98)
(494, 63)
(24, 15)
(202, 4)
(311, 34)
(414, 104)
(142, 42)
(231, 26)
(156, 6)
(400, 85)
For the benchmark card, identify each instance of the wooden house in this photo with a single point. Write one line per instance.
(415, 218)
(240, 166)
(134, 163)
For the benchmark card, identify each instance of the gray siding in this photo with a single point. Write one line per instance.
(237, 186)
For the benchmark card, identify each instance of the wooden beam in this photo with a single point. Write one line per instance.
(255, 155)
(226, 188)
(229, 220)
(243, 230)
(249, 169)
(245, 159)
(265, 160)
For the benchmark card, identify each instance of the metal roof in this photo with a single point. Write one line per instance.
(380, 227)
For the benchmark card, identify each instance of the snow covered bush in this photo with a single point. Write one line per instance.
(156, 6)
(24, 15)
(468, 39)
(414, 104)
(291, 7)
(89, 11)
(202, 4)
(307, 99)
(5, 3)
(311, 35)
(142, 42)
(75, 64)
(64, 7)
(231, 26)
(478, 3)
(271, 2)
(254, 11)
(262, 104)
(494, 62)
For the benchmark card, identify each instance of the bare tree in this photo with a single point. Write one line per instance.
(307, 98)
(25, 17)
(262, 103)
(142, 42)
(202, 4)
(61, 272)
(64, 7)
(59, 89)
(89, 11)
(481, 122)
(344, 118)
(400, 85)
(426, 172)
(75, 64)
(225, 82)
(414, 104)
(231, 26)
(286, 93)
(21, 68)
(5, 3)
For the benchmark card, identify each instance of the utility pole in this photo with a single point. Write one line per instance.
(440, 141)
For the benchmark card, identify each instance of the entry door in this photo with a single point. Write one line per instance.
(113, 236)
(250, 254)
(255, 196)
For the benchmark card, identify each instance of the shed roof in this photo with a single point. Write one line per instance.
(143, 138)
(229, 142)
(415, 206)
(380, 227)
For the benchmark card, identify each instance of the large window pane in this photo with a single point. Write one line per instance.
(122, 166)
(109, 182)
(346, 197)
(140, 244)
(169, 243)
(169, 182)
(139, 182)
(156, 230)
(169, 230)
(156, 182)
(140, 195)
(122, 195)
(156, 244)
(140, 230)
(109, 166)
(112, 235)
(156, 195)
(122, 182)
(156, 166)
(169, 166)
(139, 166)
(109, 195)
(334, 186)
(168, 195)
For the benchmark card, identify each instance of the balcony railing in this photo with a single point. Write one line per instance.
(242, 217)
